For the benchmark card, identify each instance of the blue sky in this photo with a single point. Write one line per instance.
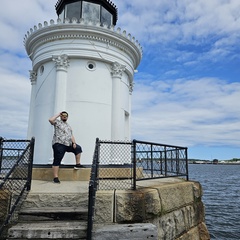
(187, 88)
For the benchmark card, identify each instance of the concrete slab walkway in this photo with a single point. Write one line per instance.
(39, 186)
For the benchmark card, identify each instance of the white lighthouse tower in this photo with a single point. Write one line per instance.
(81, 64)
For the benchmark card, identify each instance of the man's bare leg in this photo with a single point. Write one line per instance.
(55, 171)
(78, 165)
(78, 157)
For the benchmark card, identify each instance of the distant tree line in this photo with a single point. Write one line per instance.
(233, 160)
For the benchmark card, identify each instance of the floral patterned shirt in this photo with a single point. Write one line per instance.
(62, 133)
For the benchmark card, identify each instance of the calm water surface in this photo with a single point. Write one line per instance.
(221, 197)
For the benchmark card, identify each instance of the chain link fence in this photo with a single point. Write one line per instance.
(119, 165)
(122, 164)
(16, 158)
(115, 165)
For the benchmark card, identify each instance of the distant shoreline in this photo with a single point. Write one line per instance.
(215, 163)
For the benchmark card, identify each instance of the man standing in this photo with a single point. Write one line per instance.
(63, 141)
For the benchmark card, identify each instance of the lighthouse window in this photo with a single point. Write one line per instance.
(106, 17)
(73, 10)
(91, 11)
(91, 66)
(88, 10)
(41, 70)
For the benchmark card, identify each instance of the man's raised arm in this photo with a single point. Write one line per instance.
(53, 118)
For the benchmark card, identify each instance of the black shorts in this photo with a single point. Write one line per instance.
(59, 151)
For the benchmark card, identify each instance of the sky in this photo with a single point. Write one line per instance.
(187, 86)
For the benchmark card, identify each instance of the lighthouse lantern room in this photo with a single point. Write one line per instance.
(102, 11)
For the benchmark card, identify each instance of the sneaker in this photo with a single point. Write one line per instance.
(78, 166)
(56, 180)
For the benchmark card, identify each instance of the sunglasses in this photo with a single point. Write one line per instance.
(64, 115)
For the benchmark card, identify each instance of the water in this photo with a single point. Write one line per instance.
(221, 197)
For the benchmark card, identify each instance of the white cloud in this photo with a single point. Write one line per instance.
(16, 20)
(187, 112)
(186, 21)
(14, 101)
(15, 87)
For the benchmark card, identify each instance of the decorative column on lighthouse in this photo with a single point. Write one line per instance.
(84, 65)
(117, 111)
(33, 79)
(61, 63)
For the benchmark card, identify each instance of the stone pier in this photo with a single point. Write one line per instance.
(173, 205)
(160, 209)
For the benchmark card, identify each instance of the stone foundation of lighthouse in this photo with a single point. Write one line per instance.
(87, 70)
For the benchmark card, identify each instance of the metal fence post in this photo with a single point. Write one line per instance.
(177, 161)
(134, 165)
(186, 156)
(151, 160)
(1, 152)
(92, 188)
(165, 161)
(30, 164)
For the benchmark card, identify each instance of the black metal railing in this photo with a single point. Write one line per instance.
(119, 165)
(93, 183)
(155, 160)
(16, 158)
(122, 164)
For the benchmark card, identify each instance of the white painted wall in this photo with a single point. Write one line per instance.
(86, 94)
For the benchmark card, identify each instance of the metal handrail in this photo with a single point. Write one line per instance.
(93, 184)
(167, 155)
(16, 180)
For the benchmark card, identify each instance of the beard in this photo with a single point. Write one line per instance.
(64, 120)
